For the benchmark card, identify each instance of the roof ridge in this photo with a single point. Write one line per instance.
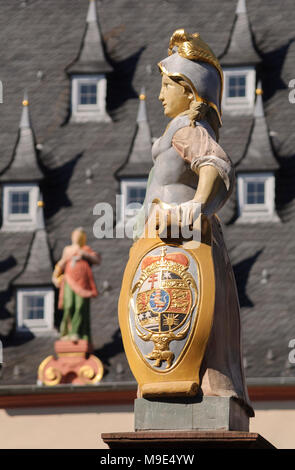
(259, 154)
(141, 146)
(91, 57)
(24, 163)
(38, 265)
(240, 48)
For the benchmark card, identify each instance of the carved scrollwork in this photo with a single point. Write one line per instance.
(92, 372)
(48, 374)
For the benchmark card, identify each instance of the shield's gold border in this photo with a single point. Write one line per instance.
(184, 378)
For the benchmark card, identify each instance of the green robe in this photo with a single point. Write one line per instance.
(76, 317)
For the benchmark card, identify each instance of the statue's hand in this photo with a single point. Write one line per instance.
(57, 276)
(161, 216)
(164, 216)
(57, 281)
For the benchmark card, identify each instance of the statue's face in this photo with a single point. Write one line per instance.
(174, 97)
(78, 238)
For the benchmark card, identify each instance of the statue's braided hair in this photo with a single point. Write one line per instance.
(199, 110)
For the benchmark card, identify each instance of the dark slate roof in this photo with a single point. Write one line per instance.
(91, 58)
(240, 49)
(24, 166)
(45, 36)
(259, 155)
(139, 159)
(263, 260)
(13, 257)
(38, 267)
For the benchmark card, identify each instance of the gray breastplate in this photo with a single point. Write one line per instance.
(172, 181)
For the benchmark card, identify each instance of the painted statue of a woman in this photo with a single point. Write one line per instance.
(73, 276)
(73, 361)
(178, 309)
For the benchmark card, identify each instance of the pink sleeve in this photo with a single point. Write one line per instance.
(198, 148)
(89, 250)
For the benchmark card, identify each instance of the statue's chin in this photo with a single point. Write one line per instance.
(169, 114)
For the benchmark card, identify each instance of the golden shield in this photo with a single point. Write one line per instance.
(166, 309)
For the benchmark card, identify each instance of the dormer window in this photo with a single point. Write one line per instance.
(136, 192)
(239, 90)
(89, 98)
(255, 192)
(35, 309)
(256, 196)
(236, 86)
(133, 194)
(20, 202)
(87, 93)
(88, 74)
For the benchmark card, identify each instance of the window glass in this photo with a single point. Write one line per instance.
(33, 307)
(236, 86)
(255, 192)
(19, 202)
(88, 93)
(135, 194)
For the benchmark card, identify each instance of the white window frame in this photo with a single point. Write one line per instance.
(20, 222)
(36, 325)
(239, 104)
(125, 185)
(89, 112)
(257, 212)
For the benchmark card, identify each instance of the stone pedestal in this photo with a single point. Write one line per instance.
(192, 440)
(188, 423)
(74, 364)
(199, 413)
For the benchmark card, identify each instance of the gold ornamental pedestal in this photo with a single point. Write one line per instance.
(74, 364)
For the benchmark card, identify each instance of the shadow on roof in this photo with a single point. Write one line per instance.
(111, 349)
(120, 87)
(242, 272)
(273, 63)
(55, 185)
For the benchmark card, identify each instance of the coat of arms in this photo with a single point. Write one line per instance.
(163, 300)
